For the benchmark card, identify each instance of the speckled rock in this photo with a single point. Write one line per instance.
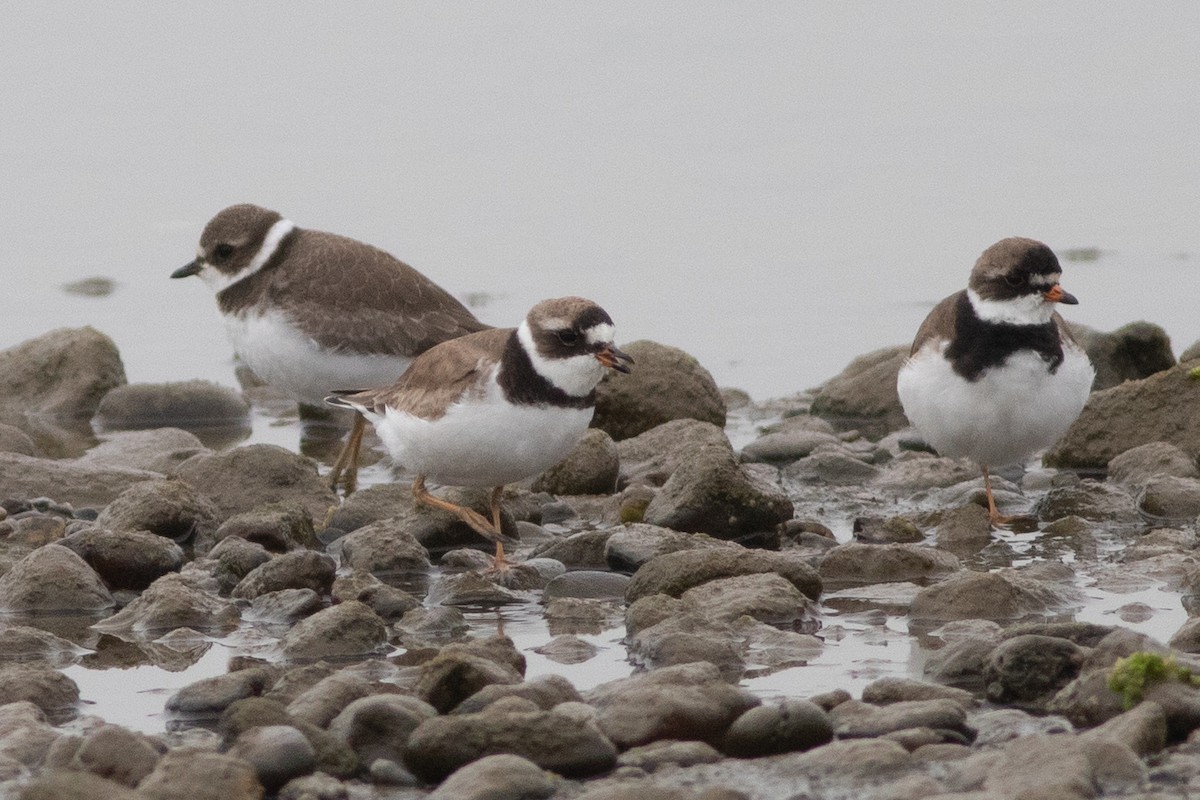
(986, 595)
(834, 467)
(766, 597)
(786, 446)
(68, 481)
(278, 753)
(169, 508)
(278, 528)
(173, 601)
(1129, 353)
(865, 392)
(583, 550)
(629, 547)
(383, 547)
(651, 457)
(236, 558)
(552, 740)
(347, 629)
(886, 563)
(1137, 465)
(590, 468)
(1154, 409)
(47, 688)
(53, 579)
(498, 777)
(116, 753)
(452, 676)
(188, 772)
(22, 643)
(156, 450)
(711, 493)
(63, 373)
(1089, 500)
(299, 569)
(886, 691)
(126, 559)
(783, 726)
(379, 726)
(244, 478)
(854, 719)
(1168, 498)
(544, 691)
(195, 405)
(666, 384)
(587, 584)
(70, 784)
(208, 697)
(1029, 670)
(675, 573)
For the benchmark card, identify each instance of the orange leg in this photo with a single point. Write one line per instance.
(472, 518)
(501, 562)
(347, 460)
(998, 520)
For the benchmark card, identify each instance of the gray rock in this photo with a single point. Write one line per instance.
(75, 785)
(1089, 500)
(278, 528)
(379, 726)
(44, 686)
(317, 786)
(896, 529)
(173, 601)
(320, 703)
(651, 457)
(1169, 499)
(158, 450)
(1142, 729)
(116, 753)
(53, 579)
(190, 405)
(567, 649)
(685, 702)
(126, 559)
(675, 573)
(710, 493)
(544, 691)
(911, 472)
(834, 467)
(63, 373)
(168, 508)
(341, 631)
(587, 585)
(68, 481)
(1129, 353)
(689, 638)
(389, 602)
(244, 478)
(497, 777)
(1154, 409)
(383, 547)
(886, 691)
(784, 726)
(855, 563)
(1087, 701)
(986, 595)
(786, 446)
(208, 697)
(1056, 766)
(629, 547)
(278, 753)
(21, 643)
(332, 756)
(591, 467)
(1137, 465)
(236, 558)
(1029, 670)
(965, 529)
(583, 550)
(15, 440)
(453, 675)
(199, 775)
(666, 384)
(854, 719)
(299, 569)
(764, 596)
(551, 740)
(655, 755)
(864, 393)
(472, 589)
(286, 605)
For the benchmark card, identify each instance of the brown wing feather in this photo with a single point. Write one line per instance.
(439, 376)
(939, 324)
(381, 306)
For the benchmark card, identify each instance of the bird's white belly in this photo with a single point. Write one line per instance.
(485, 442)
(292, 362)
(1008, 414)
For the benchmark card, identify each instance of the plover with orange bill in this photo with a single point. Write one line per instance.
(994, 374)
(495, 407)
(311, 311)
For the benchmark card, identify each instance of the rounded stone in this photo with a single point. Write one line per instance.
(278, 753)
(591, 467)
(53, 579)
(783, 727)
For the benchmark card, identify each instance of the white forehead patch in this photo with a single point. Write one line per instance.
(601, 334)
(218, 281)
(1045, 280)
(1028, 309)
(576, 375)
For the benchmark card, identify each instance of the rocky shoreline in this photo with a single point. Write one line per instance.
(355, 673)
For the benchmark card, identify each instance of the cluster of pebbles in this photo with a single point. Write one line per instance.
(354, 672)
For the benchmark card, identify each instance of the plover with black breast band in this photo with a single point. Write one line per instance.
(311, 311)
(495, 407)
(994, 374)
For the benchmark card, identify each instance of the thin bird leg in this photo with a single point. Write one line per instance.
(998, 520)
(347, 460)
(472, 518)
(501, 562)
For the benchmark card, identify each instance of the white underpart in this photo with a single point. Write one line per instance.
(1011, 412)
(218, 280)
(482, 440)
(292, 362)
(1029, 309)
(577, 375)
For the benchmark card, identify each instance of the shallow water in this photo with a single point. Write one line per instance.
(775, 188)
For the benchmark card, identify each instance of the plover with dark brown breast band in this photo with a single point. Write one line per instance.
(495, 407)
(994, 374)
(311, 311)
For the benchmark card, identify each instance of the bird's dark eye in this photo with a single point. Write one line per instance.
(1014, 280)
(223, 250)
(568, 337)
